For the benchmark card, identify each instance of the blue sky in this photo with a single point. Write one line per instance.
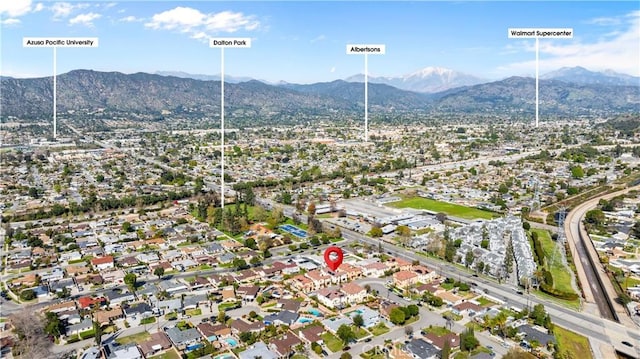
(303, 42)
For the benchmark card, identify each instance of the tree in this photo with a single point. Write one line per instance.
(27, 294)
(130, 280)
(159, 271)
(255, 261)
(468, 258)
(346, 334)
(33, 341)
(358, 321)
(538, 314)
(449, 250)
(376, 232)
(397, 316)
(413, 310)
(53, 326)
(577, 172)
(446, 350)
(311, 209)
(127, 227)
(97, 329)
(239, 263)
(468, 340)
(526, 226)
(408, 330)
(345, 355)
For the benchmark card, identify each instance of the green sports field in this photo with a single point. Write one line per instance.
(451, 209)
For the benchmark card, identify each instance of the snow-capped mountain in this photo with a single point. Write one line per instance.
(429, 80)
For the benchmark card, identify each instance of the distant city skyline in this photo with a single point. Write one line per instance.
(304, 42)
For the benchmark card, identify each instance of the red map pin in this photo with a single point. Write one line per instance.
(333, 261)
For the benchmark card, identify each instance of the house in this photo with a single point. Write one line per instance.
(369, 316)
(288, 304)
(183, 338)
(312, 334)
(248, 292)
(319, 279)
(157, 342)
(116, 296)
(170, 305)
(128, 351)
(374, 270)
(332, 324)
(62, 307)
(283, 317)
(194, 301)
(331, 298)
(531, 334)
(27, 280)
(468, 308)
(351, 271)
(172, 286)
(102, 263)
(106, 317)
(421, 349)
(83, 326)
(452, 338)
(75, 270)
(213, 332)
(88, 302)
(258, 350)
(386, 307)
(449, 298)
(55, 275)
(114, 277)
(425, 275)
(139, 309)
(240, 326)
(285, 345)
(302, 283)
(404, 278)
(354, 292)
(89, 279)
(148, 257)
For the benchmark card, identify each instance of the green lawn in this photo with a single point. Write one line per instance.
(379, 329)
(333, 343)
(560, 272)
(135, 338)
(439, 331)
(360, 333)
(452, 209)
(485, 302)
(573, 344)
(193, 312)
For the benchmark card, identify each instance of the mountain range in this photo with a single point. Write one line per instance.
(153, 95)
(428, 80)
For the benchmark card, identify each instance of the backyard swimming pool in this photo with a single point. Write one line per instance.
(232, 342)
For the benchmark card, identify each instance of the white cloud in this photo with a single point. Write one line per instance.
(15, 8)
(200, 25)
(618, 50)
(64, 9)
(39, 7)
(332, 70)
(318, 38)
(11, 22)
(130, 19)
(85, 19)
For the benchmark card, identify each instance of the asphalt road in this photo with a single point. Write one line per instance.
(587, 324)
